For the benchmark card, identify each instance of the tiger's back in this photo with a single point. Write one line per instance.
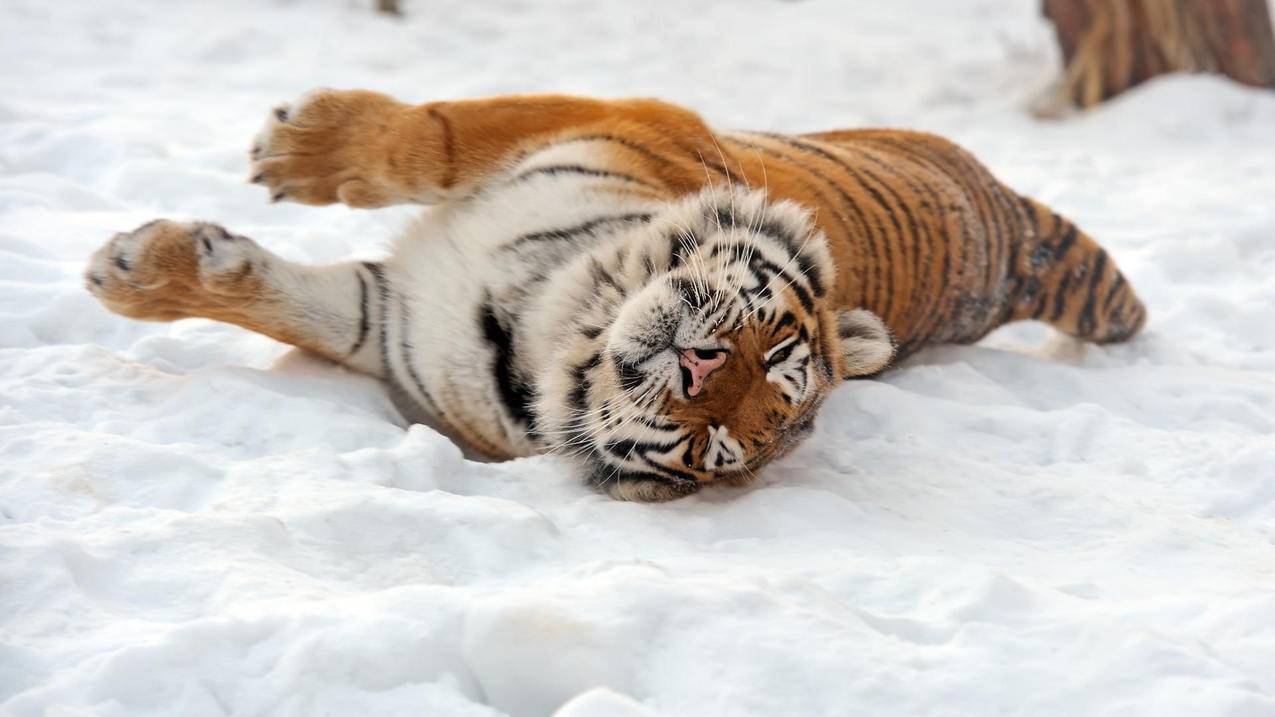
(925, 236)
(921, 232)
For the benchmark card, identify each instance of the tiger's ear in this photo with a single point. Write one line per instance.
(866, 346)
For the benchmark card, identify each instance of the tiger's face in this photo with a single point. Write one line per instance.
(717, 345)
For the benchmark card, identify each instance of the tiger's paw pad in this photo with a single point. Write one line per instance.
(325, 148)
(166, 270)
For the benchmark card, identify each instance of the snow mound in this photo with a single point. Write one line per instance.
(195, 520)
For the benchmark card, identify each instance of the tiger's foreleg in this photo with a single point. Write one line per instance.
(164, 271)
(366, 149)
(1064, 278)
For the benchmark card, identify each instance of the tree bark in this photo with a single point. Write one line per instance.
(1109, 46)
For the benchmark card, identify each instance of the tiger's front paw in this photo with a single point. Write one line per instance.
(166, 270)
(329, 146)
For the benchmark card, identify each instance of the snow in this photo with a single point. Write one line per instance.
(195, 520)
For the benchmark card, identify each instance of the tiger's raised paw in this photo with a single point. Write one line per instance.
(329, 146)
(166, 270)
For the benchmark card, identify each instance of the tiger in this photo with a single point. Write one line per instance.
(663, 304)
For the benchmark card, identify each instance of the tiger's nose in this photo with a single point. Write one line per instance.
(698, 364)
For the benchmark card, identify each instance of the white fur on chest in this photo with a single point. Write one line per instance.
(455, 259)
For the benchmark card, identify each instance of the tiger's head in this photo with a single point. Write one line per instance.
(701, 347)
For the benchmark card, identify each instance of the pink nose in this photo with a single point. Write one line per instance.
(696, 363)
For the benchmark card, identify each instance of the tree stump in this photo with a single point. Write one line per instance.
(1109, 46)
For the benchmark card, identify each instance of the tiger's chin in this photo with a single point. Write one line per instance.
(650, 491)
(653, 490)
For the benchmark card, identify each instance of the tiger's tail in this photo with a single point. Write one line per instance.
(1062, 277)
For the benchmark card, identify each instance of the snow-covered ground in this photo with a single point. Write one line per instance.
(195, 520)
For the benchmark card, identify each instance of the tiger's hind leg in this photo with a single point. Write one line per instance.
(165, 270)
(1062, 277)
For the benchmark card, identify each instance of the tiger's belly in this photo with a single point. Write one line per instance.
(463, 278)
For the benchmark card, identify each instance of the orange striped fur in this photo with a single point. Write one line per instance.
(921, 233)
(591, 259)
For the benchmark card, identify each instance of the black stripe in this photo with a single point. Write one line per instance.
(1111, 293)
(707, 162)
(602, 277)
(996, 221)
(364, 323)
(929, 317)
(782, 354)
(907, 212)
(674, 474)
(1029, 211)
(688, 458)
(922, 160)
(975, 182)
(1086, 323)
(689, 291)
(1039, 311)
(580, 392)
(983, 192)
(556, 169)
(629, 375)
(623, 142)
(738, 250)
(1031, 282)
(575, 231)
(576, 432)
(1014, 280)
(770, 229)
(383, 297)
(1060, 296)
(1016, 230)
(681, 244)
(876, 197)
(914, 232)
(1119, 308)
(603, 474)
(449, 149)
(654, 422)
(513, 390)
(1068, 238)
(758, 264)
(405, 352)
(801, 144)
(627, 447)
(836, 187)
(1060, 249)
